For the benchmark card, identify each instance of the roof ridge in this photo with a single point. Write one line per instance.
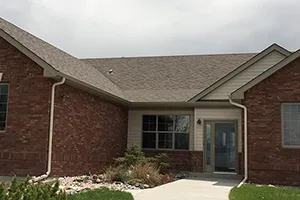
(168, 56)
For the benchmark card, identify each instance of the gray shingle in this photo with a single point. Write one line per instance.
(167, 78)
(61, 61)
(140, 79)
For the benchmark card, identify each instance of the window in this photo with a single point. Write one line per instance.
(165, 132)
(3, 105)
(290, 113)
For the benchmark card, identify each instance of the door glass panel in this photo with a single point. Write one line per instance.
(225, 154)
(207, 143)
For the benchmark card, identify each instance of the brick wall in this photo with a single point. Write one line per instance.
(269, 162)
(23, 145)
(191, 161)
(88, 131)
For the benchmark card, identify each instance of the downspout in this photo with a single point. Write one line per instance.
(245, 140)
(50, 132)
(195, 125)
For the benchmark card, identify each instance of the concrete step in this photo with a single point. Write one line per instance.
(216, 176)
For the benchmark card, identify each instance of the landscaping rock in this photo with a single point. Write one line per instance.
(77, 184)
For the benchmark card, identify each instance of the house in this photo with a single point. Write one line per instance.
(229, 113)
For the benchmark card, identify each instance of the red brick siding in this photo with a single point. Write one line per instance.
(182, 160)
(269, 162)
(23, 145)
(88, 132)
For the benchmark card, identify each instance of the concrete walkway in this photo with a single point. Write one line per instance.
(189, 189)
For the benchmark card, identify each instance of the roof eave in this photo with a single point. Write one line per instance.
(51, 72)
(179, 105)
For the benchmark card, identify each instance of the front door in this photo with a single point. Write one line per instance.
(220, 142)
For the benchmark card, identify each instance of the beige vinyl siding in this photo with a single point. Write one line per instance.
(233, 114)
(245, 76)
(135, 124)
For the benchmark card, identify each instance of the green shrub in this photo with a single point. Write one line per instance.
(136, 166)
(162, 161)
(132, 157)
(2, 191)
(26, 190)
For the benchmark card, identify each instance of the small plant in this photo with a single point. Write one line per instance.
(117, 174)
(134, 181)
(26, 190)
(148, 173)
(2, 191)
(132, 157)
(162, 161)
(135, 167)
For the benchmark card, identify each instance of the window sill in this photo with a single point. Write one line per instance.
(290, 147)
(185, 150)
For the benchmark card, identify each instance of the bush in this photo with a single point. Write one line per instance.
(25, 190)
(117, 174)
(136, 166)
(161, 161)
(148, 173)
(134, 156)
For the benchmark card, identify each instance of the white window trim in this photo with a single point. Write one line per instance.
(282, 128)
(173, 133)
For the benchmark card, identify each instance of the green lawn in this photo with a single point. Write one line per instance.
(101, 194)
(254, 192)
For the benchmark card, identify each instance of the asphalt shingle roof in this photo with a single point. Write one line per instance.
(60, 60)
(140, 79)
(167, 78)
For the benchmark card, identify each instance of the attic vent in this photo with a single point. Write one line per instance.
(110, 71)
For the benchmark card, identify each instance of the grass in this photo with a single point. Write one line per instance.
(101, 194)
(255, 192)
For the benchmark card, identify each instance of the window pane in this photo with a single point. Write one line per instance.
(4, 89)
(3, 107)
(294, 133)
(182, 123)
(181, 141)
(3, 98)
(149, 140)
(291, 124)
(2, 125)
(149, 123)
(165, 140)
(165, 123)
(207, 143)
(2, 116)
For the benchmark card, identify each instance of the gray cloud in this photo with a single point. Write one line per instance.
(96, 28)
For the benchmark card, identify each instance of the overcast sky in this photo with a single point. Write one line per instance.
(115, 28)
